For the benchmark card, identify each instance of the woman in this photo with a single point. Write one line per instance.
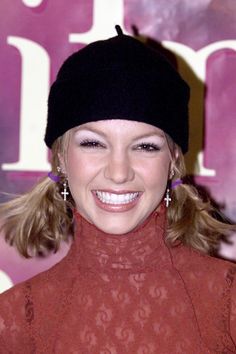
(137, 278)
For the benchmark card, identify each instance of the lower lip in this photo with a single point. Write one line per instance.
(117, 208)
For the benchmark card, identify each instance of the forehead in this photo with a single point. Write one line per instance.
(120, 127)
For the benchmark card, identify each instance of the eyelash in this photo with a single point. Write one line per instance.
(93, 144)
(149, 147)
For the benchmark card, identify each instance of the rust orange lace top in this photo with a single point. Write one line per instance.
(123, 294)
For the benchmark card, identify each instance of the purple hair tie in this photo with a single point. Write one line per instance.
(53, 177)
(176, 183)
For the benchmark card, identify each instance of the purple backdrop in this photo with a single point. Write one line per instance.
(35, 38)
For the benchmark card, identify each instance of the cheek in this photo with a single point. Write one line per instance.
(75, 165)
(79, 166)
(155, 173)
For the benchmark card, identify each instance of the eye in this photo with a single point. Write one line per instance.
(149, 147)
(87, 143)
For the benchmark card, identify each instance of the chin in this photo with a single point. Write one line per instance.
(117, 225)
(116, 230)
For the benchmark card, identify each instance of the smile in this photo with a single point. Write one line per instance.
(116, 199)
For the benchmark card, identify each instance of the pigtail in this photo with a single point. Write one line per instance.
(192, 221)
(39, 220)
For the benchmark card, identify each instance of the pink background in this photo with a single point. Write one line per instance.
(197, 25)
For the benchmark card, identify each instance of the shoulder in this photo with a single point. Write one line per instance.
(16, 300)
(211, 286)
(208, 277)
(41, 292)
(26, 304)
(189, 260)
(37, 285)
(209, 280)
(56, 274)
(15, 315)
(33, 272)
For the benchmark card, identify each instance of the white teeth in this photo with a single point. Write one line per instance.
(112, 198)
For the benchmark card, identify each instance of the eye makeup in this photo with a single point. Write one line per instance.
(90, 139)
(147, 146)
(91, 143)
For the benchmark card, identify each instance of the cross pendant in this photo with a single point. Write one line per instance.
(65, 193)
(167, 199)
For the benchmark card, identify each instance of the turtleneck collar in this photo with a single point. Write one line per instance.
(139, 249)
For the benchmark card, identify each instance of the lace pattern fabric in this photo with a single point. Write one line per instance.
(123, 294)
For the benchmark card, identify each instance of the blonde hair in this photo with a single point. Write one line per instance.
(193, 221)
(38, 221)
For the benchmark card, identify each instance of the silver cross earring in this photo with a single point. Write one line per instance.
(65, 193)
(167, 198)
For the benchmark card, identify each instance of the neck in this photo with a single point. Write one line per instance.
(143, 247)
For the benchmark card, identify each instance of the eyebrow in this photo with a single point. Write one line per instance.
(143, 136)
(93, 130)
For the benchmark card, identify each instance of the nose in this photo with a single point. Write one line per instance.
(119, 168)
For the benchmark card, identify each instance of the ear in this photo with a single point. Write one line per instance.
(175, 156)
(171, 173)
(62, 163)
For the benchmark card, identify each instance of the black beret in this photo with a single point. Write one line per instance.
(118, 78)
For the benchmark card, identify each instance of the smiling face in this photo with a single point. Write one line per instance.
(117, 172)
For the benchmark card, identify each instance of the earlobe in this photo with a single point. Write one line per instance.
(62, 163)
(176, 154)
(175, 157)
(171, 174)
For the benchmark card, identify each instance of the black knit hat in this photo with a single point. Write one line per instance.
(118, 78)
